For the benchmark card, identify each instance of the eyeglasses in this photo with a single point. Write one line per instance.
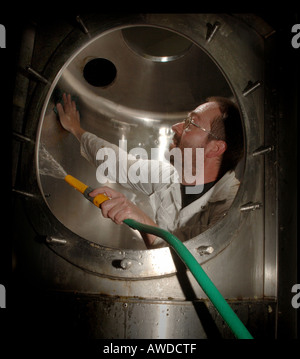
(188, 121)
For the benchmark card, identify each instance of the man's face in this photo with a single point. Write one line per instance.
(192, 136)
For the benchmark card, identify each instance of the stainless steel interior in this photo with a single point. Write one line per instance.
(147, 93)
(160, 76)
(99, 279)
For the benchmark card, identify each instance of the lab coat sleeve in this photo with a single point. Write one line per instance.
(146, 176)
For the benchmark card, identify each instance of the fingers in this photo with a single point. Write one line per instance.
(60, 109)
(69, 105)
(117, 208)
(109, 192)
(67, 99)
(66, 102)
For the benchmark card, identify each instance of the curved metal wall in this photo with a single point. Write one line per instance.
(68, 262)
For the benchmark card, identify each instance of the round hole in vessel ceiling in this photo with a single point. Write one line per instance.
(156, 44)
(99, 72)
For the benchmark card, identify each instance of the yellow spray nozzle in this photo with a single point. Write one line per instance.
(85, 190)
(74, 182)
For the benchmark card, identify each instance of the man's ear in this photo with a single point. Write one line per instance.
(215, 148)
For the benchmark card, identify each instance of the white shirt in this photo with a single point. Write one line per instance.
(165, 196)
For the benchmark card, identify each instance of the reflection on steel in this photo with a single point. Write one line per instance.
(56, 240)
(36, 75)
(155, 44)
(250, 206)
(203, 250)
(24, 193)
(263, 150)
(251, 87)
(84, 28)
(126, 263)
(22, 138)
(212, 30)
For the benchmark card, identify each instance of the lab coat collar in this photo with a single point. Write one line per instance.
(219, 192)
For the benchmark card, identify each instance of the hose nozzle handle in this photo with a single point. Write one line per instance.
(85, 190)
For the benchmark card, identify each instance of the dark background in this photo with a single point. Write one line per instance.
(286, 61)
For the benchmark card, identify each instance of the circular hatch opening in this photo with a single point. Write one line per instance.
(148, 98)
(100, 72)
(156, 44)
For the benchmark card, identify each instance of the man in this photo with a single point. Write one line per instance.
(214, 126)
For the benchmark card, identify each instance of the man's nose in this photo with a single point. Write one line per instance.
(178, 128)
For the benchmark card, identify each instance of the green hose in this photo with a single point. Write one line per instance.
(206, 284)
(234, 323)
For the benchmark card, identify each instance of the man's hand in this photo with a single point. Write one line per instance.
(69, 116)
(119, 208)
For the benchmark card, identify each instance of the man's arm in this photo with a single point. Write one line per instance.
(119, 208)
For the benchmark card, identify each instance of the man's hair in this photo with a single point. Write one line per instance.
(228, 128)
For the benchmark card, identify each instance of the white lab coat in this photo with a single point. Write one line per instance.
(165, 197)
